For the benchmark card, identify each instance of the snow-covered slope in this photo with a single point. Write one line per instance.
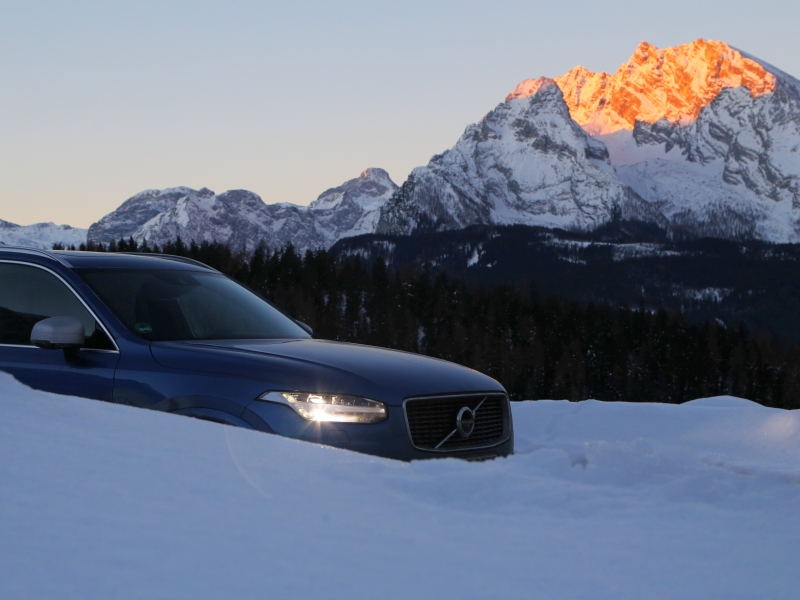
(601, 501)
(707, 136)
(241, 219)
(40, 235)
(237, 217)
(353, 208)
(734, 171)
(526, 162)
(714, 142)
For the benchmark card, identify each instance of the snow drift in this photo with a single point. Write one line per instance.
(600, 501)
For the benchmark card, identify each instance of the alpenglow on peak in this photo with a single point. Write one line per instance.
(701, 139)
(673, 83)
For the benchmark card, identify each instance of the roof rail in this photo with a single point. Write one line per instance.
(182, 259)
(38, 251)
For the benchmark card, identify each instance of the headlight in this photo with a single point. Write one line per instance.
(335, 408)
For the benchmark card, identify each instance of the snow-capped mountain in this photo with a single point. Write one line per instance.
(706, 134)
(673, 83)
(354, 207)
(241, 219)
(40, 235)
(526, 162)
(237, 217)
(701, 138)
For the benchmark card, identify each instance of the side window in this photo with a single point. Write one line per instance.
(29, 294)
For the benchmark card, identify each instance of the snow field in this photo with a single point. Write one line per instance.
(601, 500)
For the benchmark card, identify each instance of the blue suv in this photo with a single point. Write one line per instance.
(172, 334)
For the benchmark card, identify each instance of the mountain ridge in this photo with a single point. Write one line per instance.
(700, 139)
(711, 147)
(40, 235)
(241, 219)
(526, 162)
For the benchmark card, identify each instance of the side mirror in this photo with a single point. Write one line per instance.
(60, 333)
(306, 328)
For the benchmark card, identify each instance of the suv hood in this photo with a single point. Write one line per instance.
(323, 366)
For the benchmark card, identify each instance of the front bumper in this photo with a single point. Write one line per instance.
(389, 439)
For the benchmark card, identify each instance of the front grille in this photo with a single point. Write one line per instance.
(431, 420)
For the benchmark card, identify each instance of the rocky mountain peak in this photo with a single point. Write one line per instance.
(241, 219)
(373, 183)
(525, 162)
(701, 139)
(353, 208)
(530, 87)
(375, 174)
(673, 83)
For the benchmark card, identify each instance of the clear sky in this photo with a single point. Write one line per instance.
(100, 100)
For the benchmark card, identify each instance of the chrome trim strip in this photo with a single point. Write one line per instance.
(81, 300)
(97, 350)
(276, 398)
(506, 421)
(32, 347)
(449, 435)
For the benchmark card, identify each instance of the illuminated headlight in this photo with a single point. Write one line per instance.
(333, 408)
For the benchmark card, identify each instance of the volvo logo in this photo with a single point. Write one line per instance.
(465, 422)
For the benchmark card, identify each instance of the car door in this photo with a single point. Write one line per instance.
(30, 293)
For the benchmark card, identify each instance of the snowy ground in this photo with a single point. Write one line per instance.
(620, 501)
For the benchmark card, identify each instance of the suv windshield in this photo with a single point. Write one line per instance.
(171, 305)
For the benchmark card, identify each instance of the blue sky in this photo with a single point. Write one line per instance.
(101, 100)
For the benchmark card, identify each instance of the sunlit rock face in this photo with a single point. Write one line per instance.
(242, 220)
(671, 83)
(700, 138)
(705, 134)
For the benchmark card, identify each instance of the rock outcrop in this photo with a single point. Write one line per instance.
(242, 220)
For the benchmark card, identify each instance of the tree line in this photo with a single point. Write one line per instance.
(537, 347)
